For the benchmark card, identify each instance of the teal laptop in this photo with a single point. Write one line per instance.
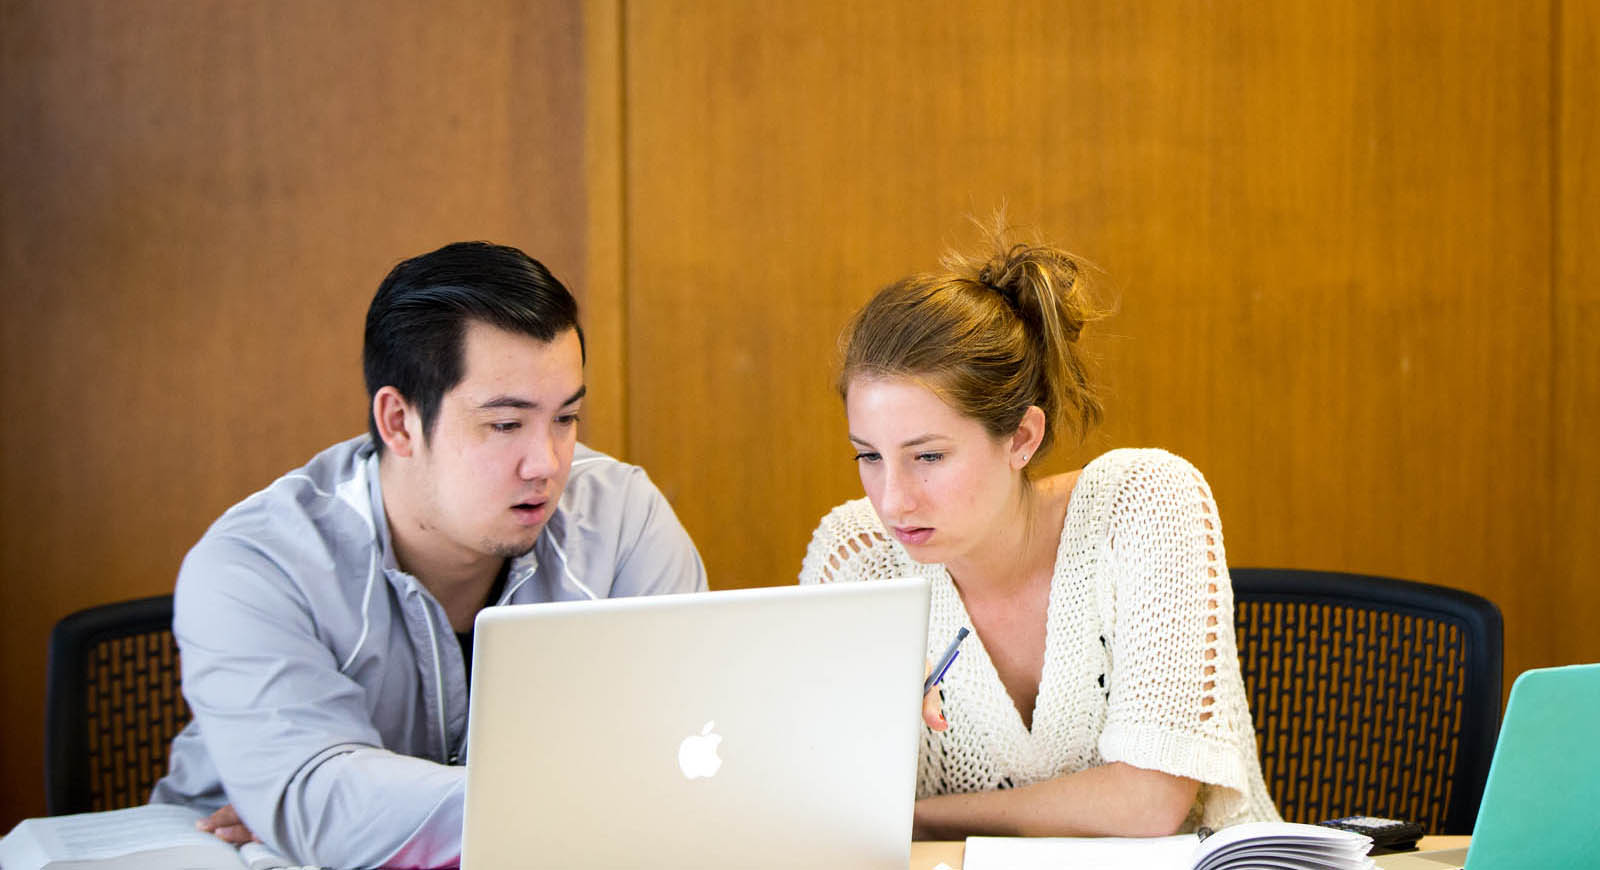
(1541, 805)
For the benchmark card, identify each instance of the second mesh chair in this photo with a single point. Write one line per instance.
(112, 705)
(1370, 696)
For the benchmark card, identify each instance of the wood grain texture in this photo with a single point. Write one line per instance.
(1329, 228)
(604, 425)
(199, 200)
(1350, 243)
(1574, 594)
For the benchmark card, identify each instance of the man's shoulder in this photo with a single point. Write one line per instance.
(589, 464)
(334, 479)
(316, 515)
(602, 485)
(615, 529)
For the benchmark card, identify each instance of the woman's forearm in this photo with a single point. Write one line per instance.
(1112, 800)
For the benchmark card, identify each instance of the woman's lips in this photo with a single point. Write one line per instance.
(913, 535)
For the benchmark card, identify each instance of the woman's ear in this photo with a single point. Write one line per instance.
(1029, 435)
(398, 426)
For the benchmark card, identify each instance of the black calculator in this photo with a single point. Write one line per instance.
(1388, 835)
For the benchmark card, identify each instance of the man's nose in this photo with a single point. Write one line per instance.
(539, 460)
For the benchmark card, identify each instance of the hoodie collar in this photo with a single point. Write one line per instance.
(363, 491)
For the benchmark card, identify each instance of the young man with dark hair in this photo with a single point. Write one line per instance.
(325, 622)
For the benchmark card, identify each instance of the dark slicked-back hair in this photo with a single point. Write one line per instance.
(418, 319)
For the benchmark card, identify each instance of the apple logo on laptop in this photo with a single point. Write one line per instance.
(697, 754)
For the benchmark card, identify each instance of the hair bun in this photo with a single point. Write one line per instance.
(1032, 278)
(988, 277)
(995, 274)
(989, 366)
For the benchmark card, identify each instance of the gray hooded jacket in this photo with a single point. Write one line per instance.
(327, 686)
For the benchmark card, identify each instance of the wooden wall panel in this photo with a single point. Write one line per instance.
(604, 425)
(199, 200)
(1574, 596)
(1349, 243)
(1329, 228)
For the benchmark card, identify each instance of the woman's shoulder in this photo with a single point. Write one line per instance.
(1139, 468)
(855, 525)
(1129, 482)
(856, 512)
(849, 543)
(1123, 461)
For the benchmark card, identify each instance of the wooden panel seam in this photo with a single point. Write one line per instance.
(604, 249)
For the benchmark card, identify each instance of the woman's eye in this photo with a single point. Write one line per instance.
(929, 457)
(866, 457)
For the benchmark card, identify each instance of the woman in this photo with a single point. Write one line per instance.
(1100, 694)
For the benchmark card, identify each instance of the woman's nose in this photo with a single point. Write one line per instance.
(898, 495)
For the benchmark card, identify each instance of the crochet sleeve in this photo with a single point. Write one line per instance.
(1175, 701)
(849, 544)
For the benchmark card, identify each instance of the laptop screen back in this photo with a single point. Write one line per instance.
(1542, 800)
(771, 727)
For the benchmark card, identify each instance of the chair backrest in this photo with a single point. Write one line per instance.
(112, 705)
(1371, 696)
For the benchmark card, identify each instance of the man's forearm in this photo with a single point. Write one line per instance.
(369, 807)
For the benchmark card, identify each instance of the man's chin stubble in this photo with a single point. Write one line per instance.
(510, 549)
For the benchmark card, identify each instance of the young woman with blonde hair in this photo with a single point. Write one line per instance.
(1100, 694)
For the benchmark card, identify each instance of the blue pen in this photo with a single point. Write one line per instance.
(945, 661)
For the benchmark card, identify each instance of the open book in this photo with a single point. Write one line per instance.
(1254, 844)
(153, 837)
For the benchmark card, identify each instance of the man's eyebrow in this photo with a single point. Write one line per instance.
(920, 439)
(509, 402)
(521, 403)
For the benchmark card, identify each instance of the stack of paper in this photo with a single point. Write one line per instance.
(1255, 844)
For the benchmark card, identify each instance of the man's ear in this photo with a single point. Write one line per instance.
(1030, 433)
(399, 425)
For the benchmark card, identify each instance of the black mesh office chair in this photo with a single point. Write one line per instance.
(112, 705)
(1370, 696)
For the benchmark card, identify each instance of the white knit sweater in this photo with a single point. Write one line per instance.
(1140, 663)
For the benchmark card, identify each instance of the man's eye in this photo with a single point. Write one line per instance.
(506, 426)
(866, 457)
(567, 419)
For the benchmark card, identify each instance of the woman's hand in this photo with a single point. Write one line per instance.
(225, 823)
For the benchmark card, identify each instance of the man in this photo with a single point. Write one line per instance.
(325, 622)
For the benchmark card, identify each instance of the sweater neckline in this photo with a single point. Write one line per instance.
(1044, 720)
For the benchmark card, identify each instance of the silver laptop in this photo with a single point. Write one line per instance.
(769, 728)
